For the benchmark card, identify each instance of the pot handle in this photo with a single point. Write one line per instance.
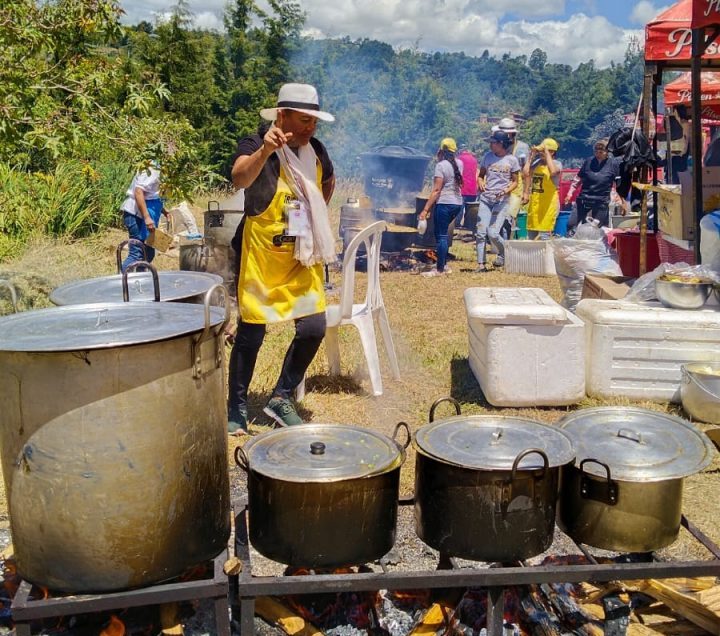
(525, 453)
(404, 425)
(118, 251)
(216, 208)
(438, 402)
(590, 489)
(241, 459)
(6, 284)
(131, 268)
(198, 340)
(628, 433)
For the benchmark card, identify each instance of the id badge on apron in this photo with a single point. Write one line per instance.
(297, 218)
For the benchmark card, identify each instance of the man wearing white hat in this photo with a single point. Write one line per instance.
(283, 242)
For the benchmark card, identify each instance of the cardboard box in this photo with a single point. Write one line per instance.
(606, 287)
(676, 215)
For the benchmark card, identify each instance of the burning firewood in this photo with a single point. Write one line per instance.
(276, 613)
(169, 621)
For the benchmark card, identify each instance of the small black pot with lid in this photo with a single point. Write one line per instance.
(486, 486)
(323, 495)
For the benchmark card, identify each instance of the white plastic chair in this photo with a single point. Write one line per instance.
(362, 315)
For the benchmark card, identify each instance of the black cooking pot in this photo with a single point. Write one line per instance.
(486, 486)
(322, 495)
(393, 174)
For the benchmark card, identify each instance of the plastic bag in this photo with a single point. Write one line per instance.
(644, 287)
(576, 257)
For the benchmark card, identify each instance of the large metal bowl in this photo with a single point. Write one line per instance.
(679, 295)
(700, 391)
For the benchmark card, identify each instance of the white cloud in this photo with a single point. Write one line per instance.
(644, 11)
(470, 26)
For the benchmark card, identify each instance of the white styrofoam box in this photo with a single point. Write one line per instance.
(524, 348)
(534, 258)
(635, 350)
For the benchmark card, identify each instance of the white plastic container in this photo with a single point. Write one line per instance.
(635, 350)
(524, 348)
(534, 258)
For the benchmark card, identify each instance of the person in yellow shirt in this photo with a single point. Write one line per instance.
(541, 181)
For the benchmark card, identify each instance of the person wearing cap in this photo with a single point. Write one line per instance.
(447, 198)
(597, 176)
(522, 151)
(498, 177)
(282, 242)
(541, 181)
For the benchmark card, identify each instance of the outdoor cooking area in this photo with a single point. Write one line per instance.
(515, 506)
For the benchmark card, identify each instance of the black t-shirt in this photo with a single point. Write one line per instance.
(259, 194)
(598, 176)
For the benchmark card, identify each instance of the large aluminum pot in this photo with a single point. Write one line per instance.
(486, 487)
(322, 495)
(113, 442)
(624, 491)
(700, 391)
(214, 253)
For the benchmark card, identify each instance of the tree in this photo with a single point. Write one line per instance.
(537, 61)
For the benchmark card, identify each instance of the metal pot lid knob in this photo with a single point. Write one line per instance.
(317, 448)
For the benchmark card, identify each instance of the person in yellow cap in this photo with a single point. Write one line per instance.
(446, 196)
(541, 181)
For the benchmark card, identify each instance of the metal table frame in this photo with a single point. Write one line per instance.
(245, 588)
(24, 610)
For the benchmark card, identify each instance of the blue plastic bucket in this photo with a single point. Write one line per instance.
(561, 223)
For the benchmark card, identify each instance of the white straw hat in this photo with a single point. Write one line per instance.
(300, 97)
(507, 124)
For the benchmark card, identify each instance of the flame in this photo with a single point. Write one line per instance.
(115, 628)
(45, 592)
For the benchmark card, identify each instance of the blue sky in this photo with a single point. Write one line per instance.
(569, 31)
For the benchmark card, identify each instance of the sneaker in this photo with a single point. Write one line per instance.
(432, 273)
(499, 262)
(238, 422)
(480, 269)
(447, 270)
(282, 411)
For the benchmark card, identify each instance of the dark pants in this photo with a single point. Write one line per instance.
(136, 230)
(679, 163)
(309, 332)
(445, 213)
(597, 208)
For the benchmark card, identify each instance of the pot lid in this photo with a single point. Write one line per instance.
(490, 442)
(322, 453)
(637, 444)
(400, 152)
(102, 325)
(108, 289)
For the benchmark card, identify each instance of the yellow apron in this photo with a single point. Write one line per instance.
(272, 285)
(544, 203)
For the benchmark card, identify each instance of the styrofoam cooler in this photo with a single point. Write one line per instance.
(635, 350)
(524, 348)
(534, 258)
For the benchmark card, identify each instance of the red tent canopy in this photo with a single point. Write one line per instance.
(668, 38)
(679, 92)
(704, 13)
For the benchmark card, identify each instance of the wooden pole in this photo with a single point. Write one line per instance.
(646, 97)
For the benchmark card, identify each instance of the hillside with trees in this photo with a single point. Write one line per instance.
(86, 101)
